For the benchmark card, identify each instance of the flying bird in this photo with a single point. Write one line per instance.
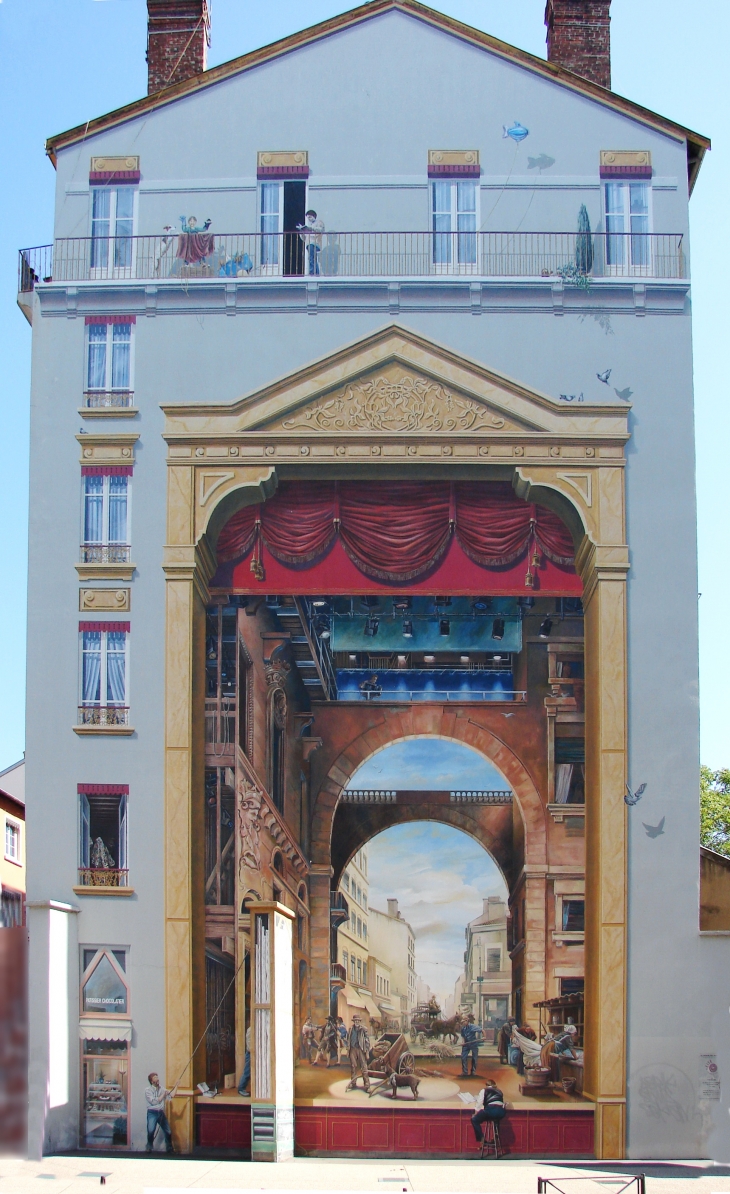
(508, 715)
(654, 830)
(632, 798)
(625, 394)
(604, 376)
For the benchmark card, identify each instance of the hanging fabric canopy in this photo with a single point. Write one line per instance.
(396, 532)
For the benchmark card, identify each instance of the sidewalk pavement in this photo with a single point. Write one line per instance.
(81, 1174)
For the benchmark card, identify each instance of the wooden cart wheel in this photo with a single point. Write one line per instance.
(407, 1063)
(413, 1034)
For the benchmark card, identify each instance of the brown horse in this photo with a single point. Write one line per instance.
(445, 1028)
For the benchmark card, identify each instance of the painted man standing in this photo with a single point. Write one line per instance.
(156, 1118)
(359, 1045)
(470, 1036)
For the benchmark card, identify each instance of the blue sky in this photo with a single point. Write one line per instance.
(65, 61)
(448, 873)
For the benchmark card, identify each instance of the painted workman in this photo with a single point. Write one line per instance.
(470, 1036)
(359, 1045)
(156, 1096)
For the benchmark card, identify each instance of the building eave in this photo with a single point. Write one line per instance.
(696, 143)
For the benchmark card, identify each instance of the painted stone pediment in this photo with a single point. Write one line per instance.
(395, 401)
(393, 383)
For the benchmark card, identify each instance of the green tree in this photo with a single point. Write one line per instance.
(715, 809)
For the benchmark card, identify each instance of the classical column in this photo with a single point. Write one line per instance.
(187, 570)
(604, 569)
(320, 876)
(272, 1055)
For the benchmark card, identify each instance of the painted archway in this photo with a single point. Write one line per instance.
(573, 460)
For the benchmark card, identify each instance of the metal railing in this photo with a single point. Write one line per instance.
(242, 255)
(99, 399)
(102, 877)
(103, 715)
(105, 553)
(405, 695)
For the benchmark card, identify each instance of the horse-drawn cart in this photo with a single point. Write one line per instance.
(390, 1055)
(420, 1022)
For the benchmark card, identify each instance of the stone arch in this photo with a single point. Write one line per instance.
(431, 722)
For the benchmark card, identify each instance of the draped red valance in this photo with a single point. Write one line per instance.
(396, 531)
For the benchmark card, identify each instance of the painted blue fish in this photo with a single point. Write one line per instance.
(518, 132)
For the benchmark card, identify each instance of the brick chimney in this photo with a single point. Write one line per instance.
(178, 36)
(579, 37)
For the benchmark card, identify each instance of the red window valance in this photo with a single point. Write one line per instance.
(89, 319)
(118, 626)
(396, 532)
(107, 470)
(102, 789)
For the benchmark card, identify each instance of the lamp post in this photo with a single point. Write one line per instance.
(480, 980)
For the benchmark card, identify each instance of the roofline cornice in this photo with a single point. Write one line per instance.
(697, 144)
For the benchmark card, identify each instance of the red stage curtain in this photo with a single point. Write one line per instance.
(397, 531)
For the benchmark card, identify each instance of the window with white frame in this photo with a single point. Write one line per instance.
(494, 959)
(628, 227)
(12, 841)
(106, 501)
(104, 672)
(112, 229)
(454, 224)
(108, 358)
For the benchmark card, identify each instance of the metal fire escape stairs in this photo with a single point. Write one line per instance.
(310, 652)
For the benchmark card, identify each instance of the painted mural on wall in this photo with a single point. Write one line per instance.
(423, 1007)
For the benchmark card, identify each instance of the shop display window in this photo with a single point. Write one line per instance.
(105, 1075)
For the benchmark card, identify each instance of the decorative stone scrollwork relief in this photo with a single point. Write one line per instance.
(250, 798)
(278, 708)
(276, 672)
(384, 404)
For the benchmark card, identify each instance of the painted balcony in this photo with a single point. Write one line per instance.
(573, 257)
(102, 877)
(103, 715)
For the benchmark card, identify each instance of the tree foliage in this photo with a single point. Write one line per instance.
(715, 809)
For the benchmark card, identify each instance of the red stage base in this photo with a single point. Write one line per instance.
(403, 1132)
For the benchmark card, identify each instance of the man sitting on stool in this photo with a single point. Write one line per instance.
(490, 1105)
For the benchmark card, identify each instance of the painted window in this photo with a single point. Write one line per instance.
(494, 960)
(103, 840)
(104, 989)
(346, 881)
(359, 927)
(282, 208)
(112, 229)
(12, 841)
(104, 667)
(573, 916)
(364, 931)
(628, 218)
(344, 958)
(359, 970)
(109, 356)
(106, 510)
(352, 968)
(454, 224)
(11, 908)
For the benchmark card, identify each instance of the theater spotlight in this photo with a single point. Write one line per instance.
(481, 605)
(444, 627)
(322, 626)
(525, 602)
(371, 627)
(498, 628)
(318, 602)
(545, 627)
(407, 628)
(401, 603)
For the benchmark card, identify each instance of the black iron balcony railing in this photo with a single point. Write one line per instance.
(573, 256)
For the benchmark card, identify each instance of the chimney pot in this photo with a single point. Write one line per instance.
(178, 36)
(393, 908)
(579, 37)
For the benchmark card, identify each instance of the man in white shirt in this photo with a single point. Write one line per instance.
(156, 1096)
(311, 235)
